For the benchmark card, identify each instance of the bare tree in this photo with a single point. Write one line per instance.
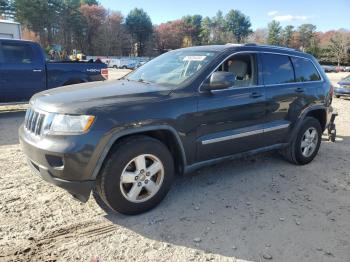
(338, 46)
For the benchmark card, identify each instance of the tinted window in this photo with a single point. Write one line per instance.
(278, 69)
(304, 70)
(17, 54)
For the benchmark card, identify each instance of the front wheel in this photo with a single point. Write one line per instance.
(304, 147)
(136, 176)
(337, 96)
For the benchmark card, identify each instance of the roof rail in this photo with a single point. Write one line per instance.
(250, 44)
(233, 44)
(280, 47)
(267, 46)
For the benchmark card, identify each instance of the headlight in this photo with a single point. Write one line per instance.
(69, 124)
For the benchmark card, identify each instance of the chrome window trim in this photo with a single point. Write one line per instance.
(265, 52)
(249, 133)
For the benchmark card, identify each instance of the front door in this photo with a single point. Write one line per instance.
(232, 120)
(22, 72)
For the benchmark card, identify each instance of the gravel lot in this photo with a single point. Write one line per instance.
(257, 209)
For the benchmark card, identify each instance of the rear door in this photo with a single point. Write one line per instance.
(22, 71)
(232, 120)
(284, 96)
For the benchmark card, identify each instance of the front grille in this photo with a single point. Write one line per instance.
(34, 121)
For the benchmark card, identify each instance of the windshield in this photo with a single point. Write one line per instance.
(172, 68)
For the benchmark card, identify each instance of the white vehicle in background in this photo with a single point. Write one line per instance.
(122, 63)
(10, 29)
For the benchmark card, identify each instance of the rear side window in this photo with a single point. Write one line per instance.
(277, 69)
(17, 54)
(305, 71)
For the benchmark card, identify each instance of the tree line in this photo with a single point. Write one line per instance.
(87, 26)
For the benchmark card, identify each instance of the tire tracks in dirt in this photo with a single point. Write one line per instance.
(43, 249)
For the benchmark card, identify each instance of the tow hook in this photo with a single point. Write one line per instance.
(332, 131)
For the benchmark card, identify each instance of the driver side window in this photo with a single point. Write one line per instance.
(243, 67)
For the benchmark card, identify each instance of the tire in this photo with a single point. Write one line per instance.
(100, 202)
(124, 67)
(119, 194)
(295, 152)
(337, 96)
(115, 67)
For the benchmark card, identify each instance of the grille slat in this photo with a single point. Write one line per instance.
(39, 124)
(35, 117)
(34, 121)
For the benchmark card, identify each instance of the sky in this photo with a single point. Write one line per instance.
(325, 14)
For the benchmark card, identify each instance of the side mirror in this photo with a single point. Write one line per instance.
(220, 80)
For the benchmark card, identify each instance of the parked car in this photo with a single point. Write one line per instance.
(24, 71)
(344, 87)
(122, 63)
(330, 69)
(347, 69)
(125, 140)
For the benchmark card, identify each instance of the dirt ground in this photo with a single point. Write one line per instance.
(257, 209)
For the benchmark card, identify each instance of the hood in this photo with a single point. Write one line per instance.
(87, 97)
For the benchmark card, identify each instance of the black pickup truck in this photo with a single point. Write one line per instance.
(24, 71)
(124, 140)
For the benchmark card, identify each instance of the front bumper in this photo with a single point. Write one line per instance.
(63, 163)
(80, 190)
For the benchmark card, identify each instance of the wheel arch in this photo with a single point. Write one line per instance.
(74, 81)
(321, 115)
(318, 111)
(165, 134)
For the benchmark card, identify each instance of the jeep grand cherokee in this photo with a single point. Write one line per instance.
(124, 140)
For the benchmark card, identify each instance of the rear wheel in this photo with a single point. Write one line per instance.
(304, 147)
(337, 96)
(136, 176)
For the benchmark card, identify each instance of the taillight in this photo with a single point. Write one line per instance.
(104, 73)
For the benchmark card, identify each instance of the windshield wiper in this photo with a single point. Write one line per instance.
(144, 81)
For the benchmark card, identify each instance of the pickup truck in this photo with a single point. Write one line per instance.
(24, 71)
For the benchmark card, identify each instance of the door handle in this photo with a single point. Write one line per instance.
(299, 90)
(37, 70)
(255, 95)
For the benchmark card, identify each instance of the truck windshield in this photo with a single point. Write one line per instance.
(172, 68)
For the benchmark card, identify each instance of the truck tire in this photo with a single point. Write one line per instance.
(305, 145)
(136, 176)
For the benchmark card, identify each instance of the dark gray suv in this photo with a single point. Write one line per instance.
(124, 140)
